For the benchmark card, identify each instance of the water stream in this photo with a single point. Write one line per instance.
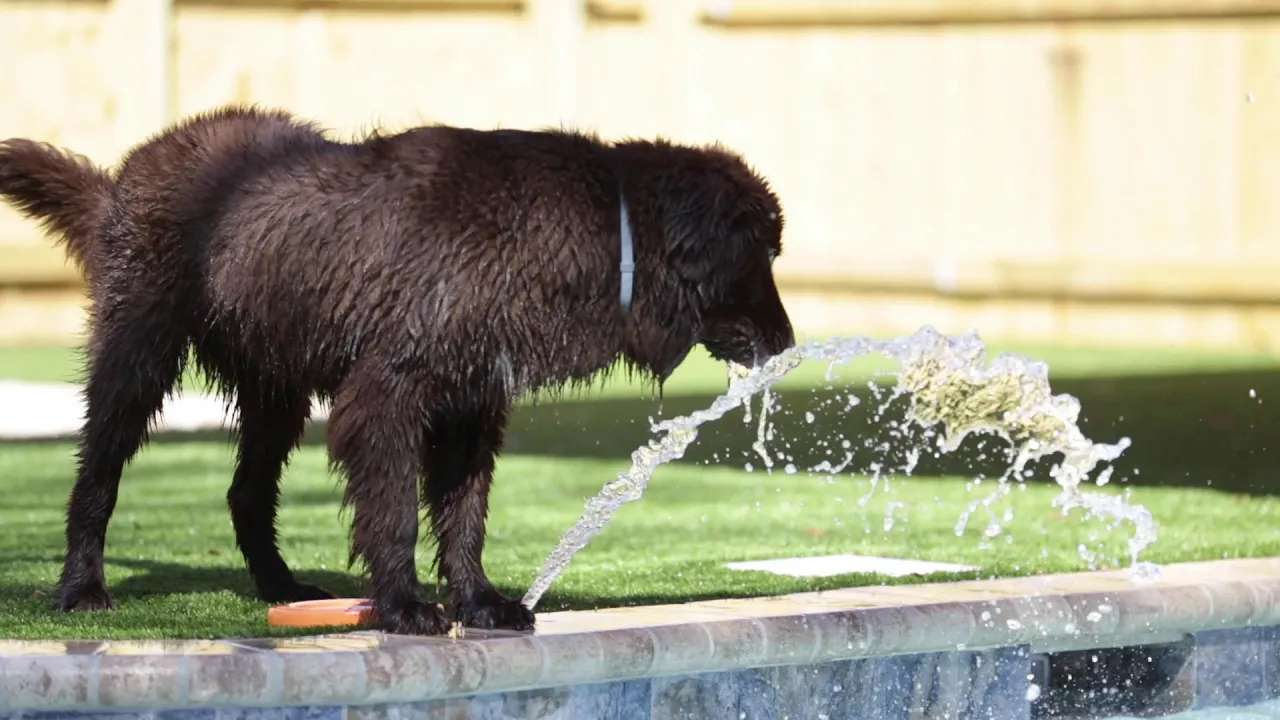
(954, 391)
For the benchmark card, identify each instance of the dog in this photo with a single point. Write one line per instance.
(419, 281)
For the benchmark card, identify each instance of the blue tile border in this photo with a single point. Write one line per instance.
(987, 685)
(1237, 667)
(626, 700)
(1142, 680)
(281, 713)
(187, 714)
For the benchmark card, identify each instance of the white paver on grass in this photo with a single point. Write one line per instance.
(829, 565)
(34, 411)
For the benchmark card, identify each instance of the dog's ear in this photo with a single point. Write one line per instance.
(709, 227)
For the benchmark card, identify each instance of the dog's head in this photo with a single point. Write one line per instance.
(721, 230)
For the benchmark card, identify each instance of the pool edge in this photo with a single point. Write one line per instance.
(1050, 613)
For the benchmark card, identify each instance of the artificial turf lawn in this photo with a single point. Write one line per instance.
(175, 572)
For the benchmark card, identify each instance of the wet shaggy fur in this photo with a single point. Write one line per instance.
(420, 281)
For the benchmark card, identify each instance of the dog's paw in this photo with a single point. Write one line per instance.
(493, 611)
(413, 618)
(293, 592)
(85, 598)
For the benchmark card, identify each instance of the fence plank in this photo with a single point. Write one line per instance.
(764, 13)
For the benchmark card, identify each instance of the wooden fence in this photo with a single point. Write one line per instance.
(1068, 170)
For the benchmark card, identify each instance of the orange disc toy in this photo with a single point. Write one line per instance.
(336, 612)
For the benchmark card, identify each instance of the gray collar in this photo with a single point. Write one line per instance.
(628, 262)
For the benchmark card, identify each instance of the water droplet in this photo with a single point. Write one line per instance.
(1104, 477)
(1033, 692)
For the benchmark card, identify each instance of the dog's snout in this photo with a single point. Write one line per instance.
(787, 339)
(778, 334)
(771, 345)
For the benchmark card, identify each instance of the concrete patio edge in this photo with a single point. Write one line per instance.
(1048, 613)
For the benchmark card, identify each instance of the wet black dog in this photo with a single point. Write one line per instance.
(421, 281)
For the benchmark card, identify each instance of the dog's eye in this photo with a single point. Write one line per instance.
(773, 255)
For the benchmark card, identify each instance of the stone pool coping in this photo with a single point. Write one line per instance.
(1048, 613)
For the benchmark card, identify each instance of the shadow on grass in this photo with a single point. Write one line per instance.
(1216, 430)
(163, 578)
(159, 577)
(154, 579)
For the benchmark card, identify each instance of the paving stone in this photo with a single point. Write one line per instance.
(132, 681)
(48, 681)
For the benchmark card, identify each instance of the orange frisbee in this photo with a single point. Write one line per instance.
(322, 613)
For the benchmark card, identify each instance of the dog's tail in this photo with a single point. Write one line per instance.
(66, 192)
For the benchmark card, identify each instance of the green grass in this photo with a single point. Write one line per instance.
(40, 364)
(175, 572)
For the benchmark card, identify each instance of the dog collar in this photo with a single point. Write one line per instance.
(628, 262)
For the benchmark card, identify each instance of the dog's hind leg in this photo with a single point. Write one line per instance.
(375, 436)
(270, 425)
(136, 354)
(458, 470)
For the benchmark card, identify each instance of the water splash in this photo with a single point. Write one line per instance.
(952, 388)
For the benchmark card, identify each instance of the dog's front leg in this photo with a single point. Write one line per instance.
(375, 435)
(457, 472)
